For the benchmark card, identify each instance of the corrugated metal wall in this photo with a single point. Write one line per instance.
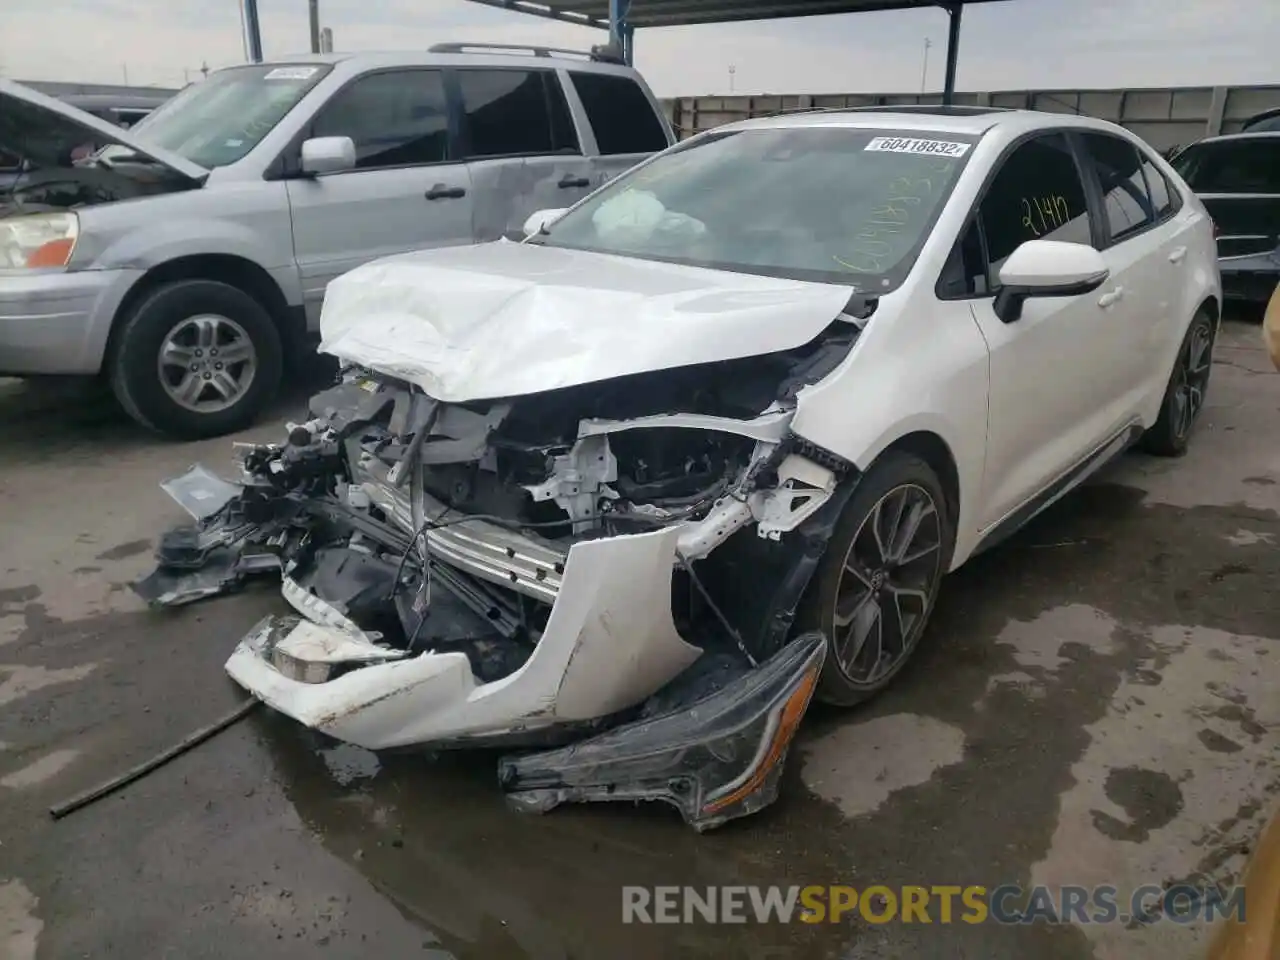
(1165, 117)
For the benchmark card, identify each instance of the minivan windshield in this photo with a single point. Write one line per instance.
(829, 204)
(220, 119)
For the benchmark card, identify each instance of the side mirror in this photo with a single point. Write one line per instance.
(328, 155)
(539, 221)
(1047, 268)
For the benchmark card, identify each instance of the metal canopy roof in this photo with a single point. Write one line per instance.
(622, 17)
(680, 13)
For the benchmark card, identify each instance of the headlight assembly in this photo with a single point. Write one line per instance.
(714, 759)
(37, 241)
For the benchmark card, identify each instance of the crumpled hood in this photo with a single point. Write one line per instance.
(508, 319)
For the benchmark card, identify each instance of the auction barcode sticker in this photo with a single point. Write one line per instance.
(291, 73)
(936, 148)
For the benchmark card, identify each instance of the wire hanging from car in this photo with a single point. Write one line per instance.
(715, 609)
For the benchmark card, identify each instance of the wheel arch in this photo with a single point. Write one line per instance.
(936, 453)
(1213, 307)
(234, 270)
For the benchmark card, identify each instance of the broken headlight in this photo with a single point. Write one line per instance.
(716, 759)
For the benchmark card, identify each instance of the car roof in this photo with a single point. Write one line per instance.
(460, 54)
(970, 121)
(1239, 137)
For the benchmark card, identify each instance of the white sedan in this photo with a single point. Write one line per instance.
(769, 386)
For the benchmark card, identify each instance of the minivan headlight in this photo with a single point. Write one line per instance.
(38, 240)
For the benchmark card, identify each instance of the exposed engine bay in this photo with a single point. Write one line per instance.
(583, 562)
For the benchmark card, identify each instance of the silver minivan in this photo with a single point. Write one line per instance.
(186, 261)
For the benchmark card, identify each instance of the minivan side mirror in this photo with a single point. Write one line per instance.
(542, 219)
(1047, 268)
(328, 155)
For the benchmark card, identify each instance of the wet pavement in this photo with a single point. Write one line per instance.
(1098, 701)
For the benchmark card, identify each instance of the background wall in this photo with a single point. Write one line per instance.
(1164, 117)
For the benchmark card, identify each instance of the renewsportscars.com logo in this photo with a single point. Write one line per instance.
(1007, 904)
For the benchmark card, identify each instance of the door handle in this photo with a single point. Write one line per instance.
(441, 192)
(570, 182)
(1111, 297)
(1177, 255)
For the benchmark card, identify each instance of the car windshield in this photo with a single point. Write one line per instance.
(220, 119)
(828, 204)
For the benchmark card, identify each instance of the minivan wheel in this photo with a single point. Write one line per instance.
(196, 358)
(1186, 391)
(876, 586)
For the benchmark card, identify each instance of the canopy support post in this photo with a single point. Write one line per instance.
(621, 34)
(953, 50)
(253, 30)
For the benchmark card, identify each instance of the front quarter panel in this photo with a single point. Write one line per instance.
(249, 220)
(246, 220)
(920, 365)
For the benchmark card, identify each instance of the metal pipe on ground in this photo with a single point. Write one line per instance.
(58, 811)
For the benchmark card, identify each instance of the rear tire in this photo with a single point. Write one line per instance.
(879, 579)
(195, 359)
(1185, 395)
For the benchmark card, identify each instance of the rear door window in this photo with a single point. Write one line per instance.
(620, 113)
(515, 113)
(1118, 169)
(398, 118)
(1164, 198)
(1037, 194)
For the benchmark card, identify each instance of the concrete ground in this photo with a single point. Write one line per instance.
(1097, 702)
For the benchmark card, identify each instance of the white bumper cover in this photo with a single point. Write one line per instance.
(609, 644)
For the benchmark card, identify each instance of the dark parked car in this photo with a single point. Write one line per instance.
(122, 110)
(1268, 121)
(1238, 178)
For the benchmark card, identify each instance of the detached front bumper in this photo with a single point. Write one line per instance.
(609, 644)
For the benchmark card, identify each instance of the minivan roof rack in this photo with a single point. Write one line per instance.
(600, 53)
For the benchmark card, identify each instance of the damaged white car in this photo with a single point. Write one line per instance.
(704, 445)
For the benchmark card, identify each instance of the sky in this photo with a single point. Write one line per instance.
(1021, 44)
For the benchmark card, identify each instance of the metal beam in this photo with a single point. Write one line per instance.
(954, 11)
(314, 17)
(253, 30)
(545, 11)
(664, 13)
(621, 33)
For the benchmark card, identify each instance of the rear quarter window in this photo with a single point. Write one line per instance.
(620, 113)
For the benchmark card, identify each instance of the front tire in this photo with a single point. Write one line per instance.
(876, 586)
(196, 359)
(1185, 394)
